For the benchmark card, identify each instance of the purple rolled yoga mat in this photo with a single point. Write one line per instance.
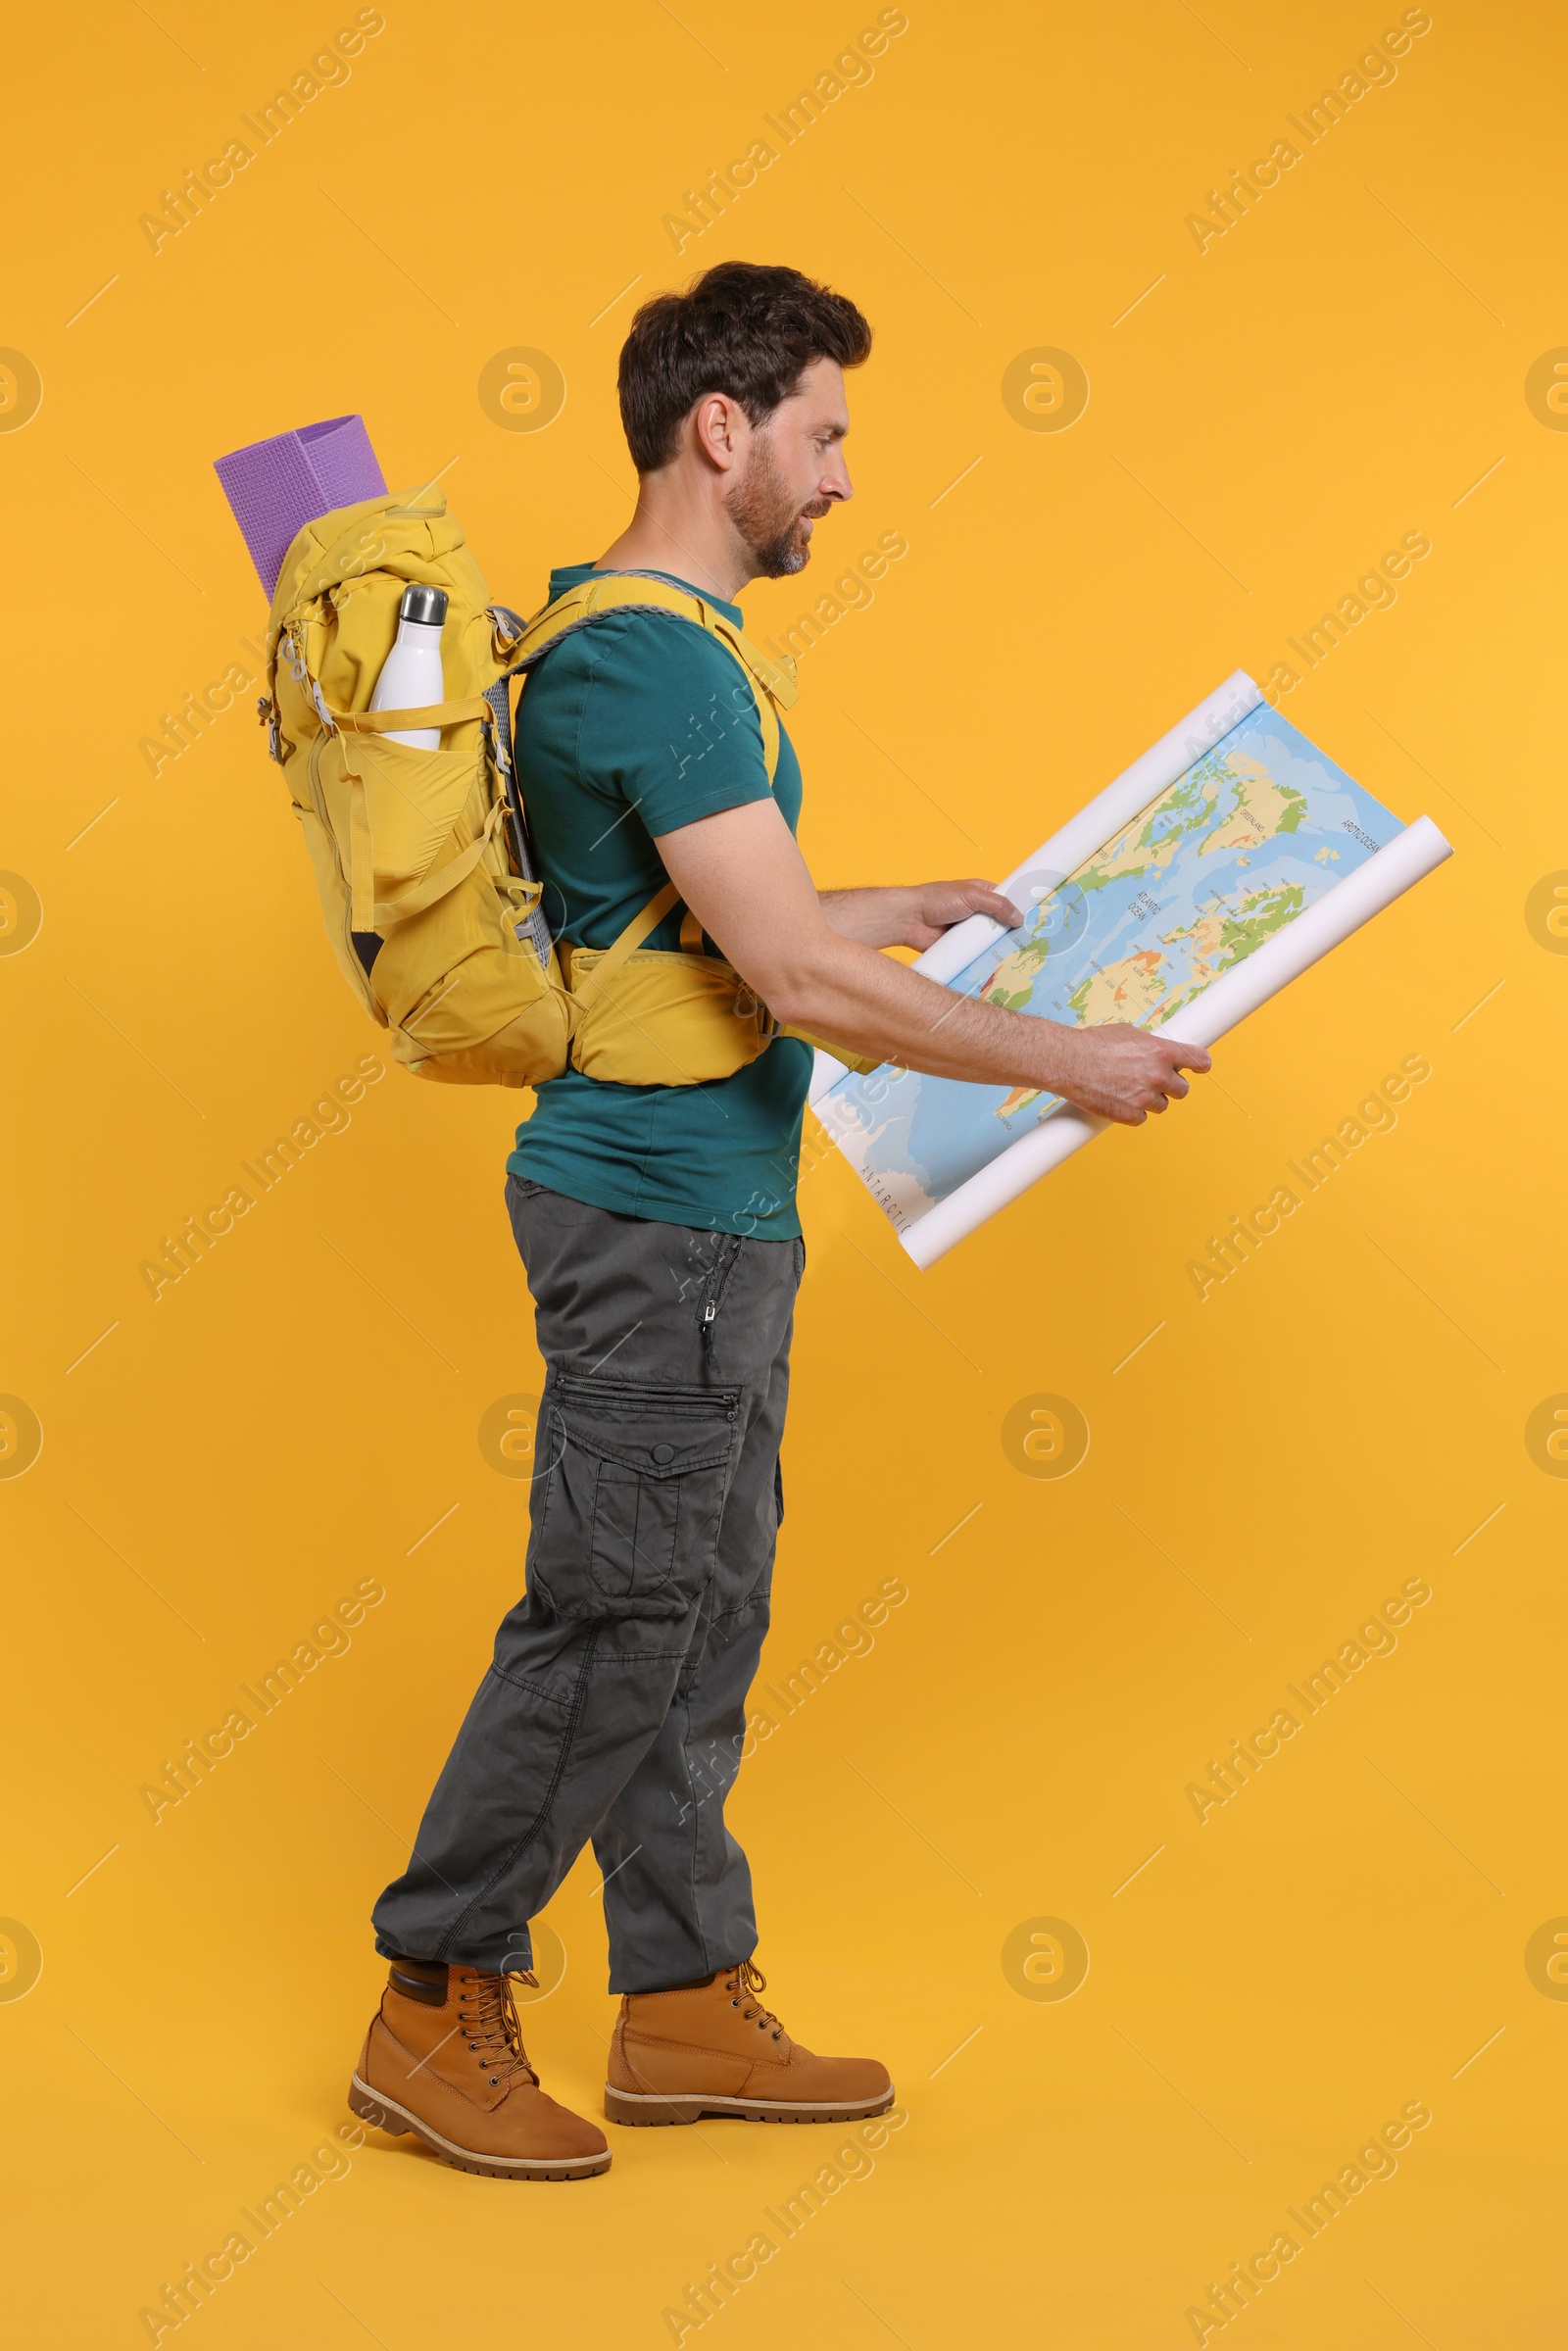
(275, 487)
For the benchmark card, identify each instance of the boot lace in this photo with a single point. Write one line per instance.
(487, 2018)
(743, 1983)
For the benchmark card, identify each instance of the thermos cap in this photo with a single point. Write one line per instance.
(427, 605)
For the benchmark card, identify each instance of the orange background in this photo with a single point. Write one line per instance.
(301, 1413)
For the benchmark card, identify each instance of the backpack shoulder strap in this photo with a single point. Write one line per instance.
(772, 682)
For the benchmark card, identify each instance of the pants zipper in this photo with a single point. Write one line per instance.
(717, 1282)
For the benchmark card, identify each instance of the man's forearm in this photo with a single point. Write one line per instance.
(877, 917)
(910, 913)
(860, 999)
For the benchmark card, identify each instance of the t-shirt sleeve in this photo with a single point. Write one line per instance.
(671, 719)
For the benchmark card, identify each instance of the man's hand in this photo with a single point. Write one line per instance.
(1124, 1073)
(914, 913)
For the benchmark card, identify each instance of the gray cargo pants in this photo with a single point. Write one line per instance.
(615, 1705)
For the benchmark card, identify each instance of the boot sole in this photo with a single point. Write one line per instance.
(375, 2107)
(637, 2107)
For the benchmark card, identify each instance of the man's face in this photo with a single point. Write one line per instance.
(794, 471)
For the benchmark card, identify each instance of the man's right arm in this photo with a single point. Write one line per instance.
(744, 878)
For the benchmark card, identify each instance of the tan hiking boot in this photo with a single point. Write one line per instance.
(712, 2048)
(444, 2059)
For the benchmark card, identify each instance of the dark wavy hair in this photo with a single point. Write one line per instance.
(743, 329)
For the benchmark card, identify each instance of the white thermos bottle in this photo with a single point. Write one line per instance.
(411, 675)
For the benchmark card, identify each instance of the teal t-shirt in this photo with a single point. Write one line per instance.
(633, 727)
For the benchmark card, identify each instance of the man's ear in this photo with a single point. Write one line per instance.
(721, 428)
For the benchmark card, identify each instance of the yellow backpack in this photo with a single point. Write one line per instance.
(421, 858)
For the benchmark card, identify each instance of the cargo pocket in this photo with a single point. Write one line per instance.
(628, 1517)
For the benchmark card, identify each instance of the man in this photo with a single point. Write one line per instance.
(659, 1229)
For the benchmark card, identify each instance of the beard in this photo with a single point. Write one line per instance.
(769, 520)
